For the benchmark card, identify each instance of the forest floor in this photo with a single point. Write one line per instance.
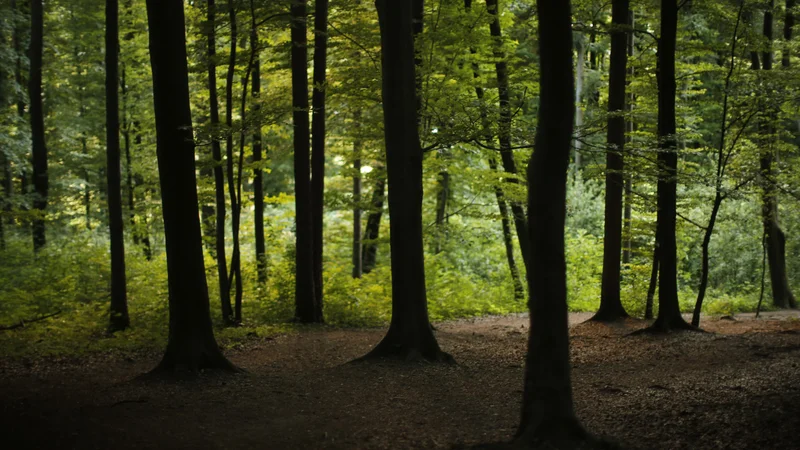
(736, 387)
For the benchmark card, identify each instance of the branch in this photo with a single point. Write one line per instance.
(22, 322)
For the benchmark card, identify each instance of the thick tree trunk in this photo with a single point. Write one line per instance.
(306, 309)
(216, 154)
(41, 181)
(669, 313)
(410, 336)
(318, 144)
(610, 303)
(258, 172)
(369, 254)
(191, 345)
(504, 125)
(119, 302)
(548, 415)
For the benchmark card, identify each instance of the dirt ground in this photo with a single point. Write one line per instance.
(737, 387)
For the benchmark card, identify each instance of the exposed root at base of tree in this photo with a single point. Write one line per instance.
(610, 316)
(384, 352)
(667, 326)
(553, 436)
(187, 367)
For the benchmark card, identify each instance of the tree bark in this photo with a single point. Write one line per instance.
(191, 345)
(651, 288)
(782, 295)
(216, 154)
(410, 336)
(579, 77)
(548, 415)
(358, 144)
(442, 198)
(258, 172)
(369, 255)
(119, 302)
(318, 143)
(669, 313)
(41, 182)
(235, 276)
(306, 309)
(504, 125)
(630, 127)
(610, 302)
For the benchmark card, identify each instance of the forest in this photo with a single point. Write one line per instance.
(555, 224)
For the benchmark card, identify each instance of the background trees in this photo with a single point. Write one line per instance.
(477, 82)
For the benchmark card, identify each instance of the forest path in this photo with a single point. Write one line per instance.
(735, 388)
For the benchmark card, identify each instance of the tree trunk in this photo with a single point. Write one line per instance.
(610, 303)
(235, 276)
(579, 77)
(410, 336)
(548, 415)
(119, 302)
(630, 128)
(41, 182)
(216, 154)
(369, 255)
(258, 172)
(442, 197)
(191, 345)
(318, 144)
(306, 309)
(358, 145)
(669, 313)
(651, 288)
(782, 295)
(17, 39)
(504, 125)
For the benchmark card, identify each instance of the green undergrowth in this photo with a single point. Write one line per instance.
(71, 278)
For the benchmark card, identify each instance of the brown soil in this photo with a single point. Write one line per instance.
(737, 387)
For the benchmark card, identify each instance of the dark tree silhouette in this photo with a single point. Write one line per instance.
(306, 308)
(119, 301)
(235, 276)
(258, 173)
(191, 345)
(318, 143)
(41, 183)
(410, 336)
(504, 126)
(548, 415)
(216, 155)
(669, 313)
(610, 303)
(369, 252)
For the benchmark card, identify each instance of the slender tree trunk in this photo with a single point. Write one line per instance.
(41, 182)
(579, 77)
(506, 153)
(369, 255)
(258, 172)
(442, 197)
(410, 336)
(782, 295)
(358, 145)
(669, 313)
(610, 302)
(721, 164)
(119, 301)
(651, 289)
(306, 309)
(191, 345)
(6, 171)
(508, 238)
(17, 39)
(318, 144)
(216, 154)
(235, 270)
(630, 128)
(548, 415)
